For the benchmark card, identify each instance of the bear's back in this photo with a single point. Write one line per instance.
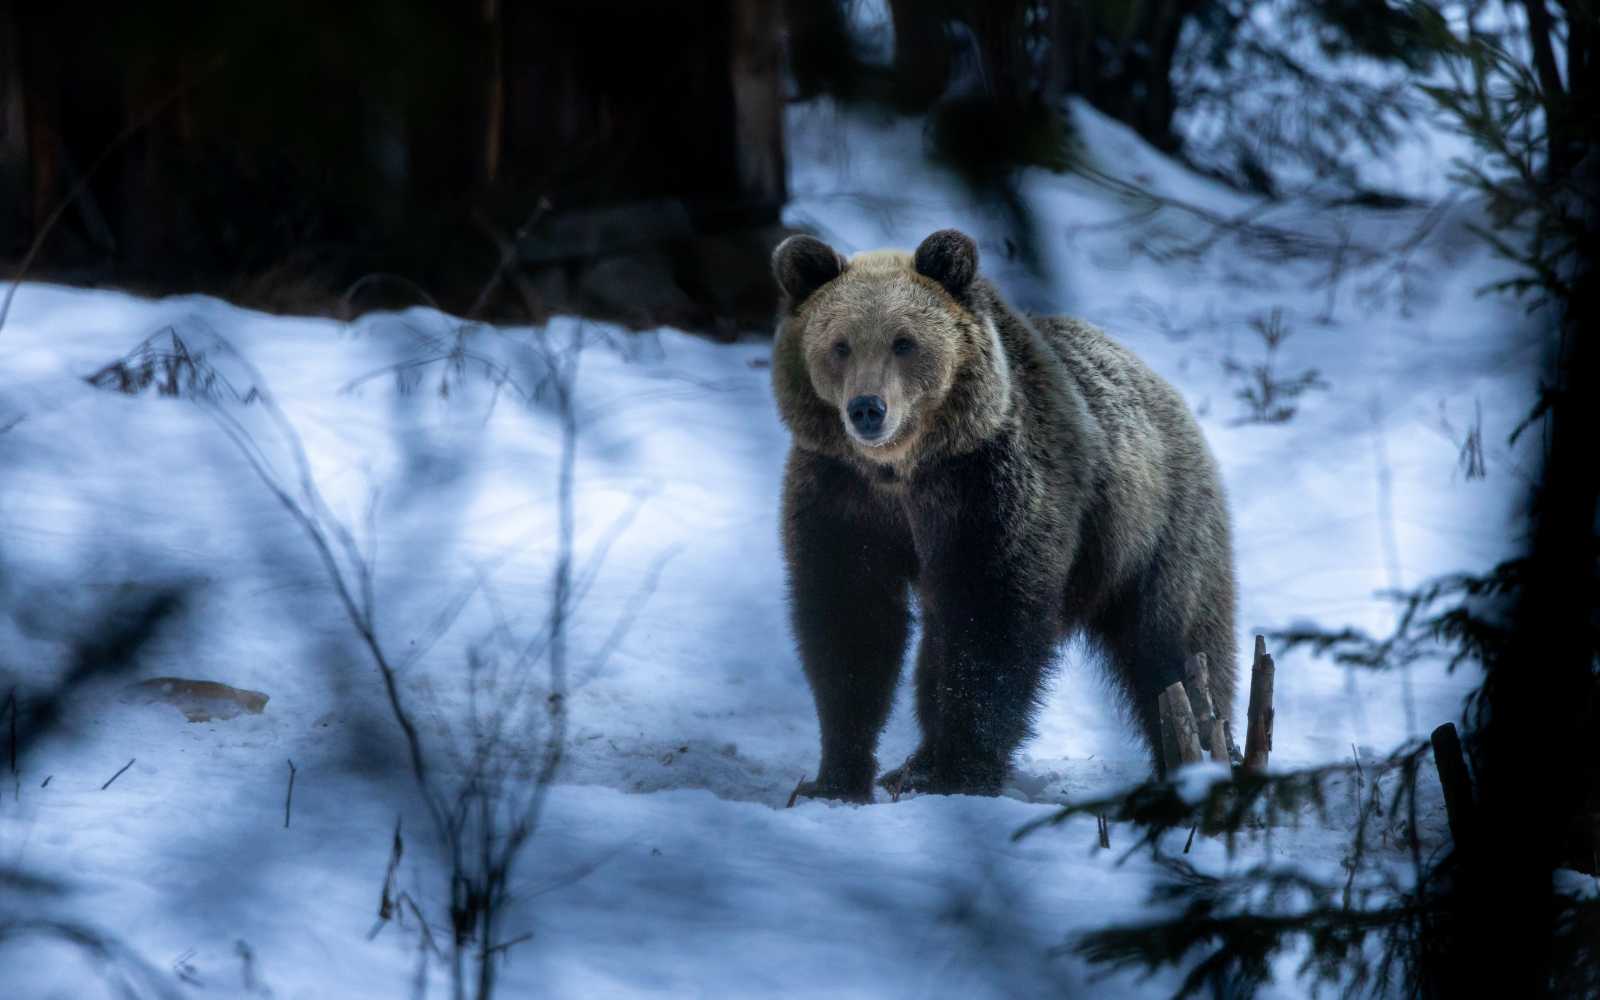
(1154, 467)
(1140, 413)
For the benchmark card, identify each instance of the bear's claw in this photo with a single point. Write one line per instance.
(816, 790)
(911, 776)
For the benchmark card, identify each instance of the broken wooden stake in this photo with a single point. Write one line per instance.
(1457, 786)
(1104, 829)
(1197, 682)
(1182, 735)
(1258, 729)
(1221, 742)
(1169, 745)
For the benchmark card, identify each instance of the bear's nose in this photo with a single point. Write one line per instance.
(867, 413)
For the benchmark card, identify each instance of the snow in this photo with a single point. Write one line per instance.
(665, 862)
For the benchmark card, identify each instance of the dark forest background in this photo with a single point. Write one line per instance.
(278, 154)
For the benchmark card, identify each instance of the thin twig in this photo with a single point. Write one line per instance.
(316, 522)
(119, 966)
(794, 796)
(507, 255)
(288, 797)
(114, 777)
(11, 707)
(502, 946)
(386, 899)
(377, 276)
(427, 933)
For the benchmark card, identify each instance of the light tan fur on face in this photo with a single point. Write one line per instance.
(878, 300)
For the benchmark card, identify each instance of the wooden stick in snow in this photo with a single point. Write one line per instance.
(1180, 724)
(1457, 786)
(288, 796)
(1258, 730)
(1197, 682)
(114, 777)
(1221, 740)
(1169, 746)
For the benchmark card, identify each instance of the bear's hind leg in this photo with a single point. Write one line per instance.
(1149, 632)
(1142, 664)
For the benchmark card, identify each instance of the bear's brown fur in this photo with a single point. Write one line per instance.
(1026, 478)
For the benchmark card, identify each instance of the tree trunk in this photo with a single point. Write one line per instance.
(1535, 732)
(756, 72)
(999, 27)
(921, 55)
(494, 99)
(42, 112)
(1159, 104)
(15, 186)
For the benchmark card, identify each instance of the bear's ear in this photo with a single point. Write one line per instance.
(803, 264)
(950, 258)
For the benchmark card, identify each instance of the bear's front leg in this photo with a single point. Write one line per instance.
(979, 675)
(849, 569)
(915, 774)
(991, 619)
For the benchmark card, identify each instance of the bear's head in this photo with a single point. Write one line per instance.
(889, 356)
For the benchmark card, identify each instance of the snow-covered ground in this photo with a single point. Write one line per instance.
(666, 862)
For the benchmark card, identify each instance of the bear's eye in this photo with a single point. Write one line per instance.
(904, 345)
(841, 349)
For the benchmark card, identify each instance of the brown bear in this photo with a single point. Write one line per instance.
(1025, 477)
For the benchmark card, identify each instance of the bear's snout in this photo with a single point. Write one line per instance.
(866, 415)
